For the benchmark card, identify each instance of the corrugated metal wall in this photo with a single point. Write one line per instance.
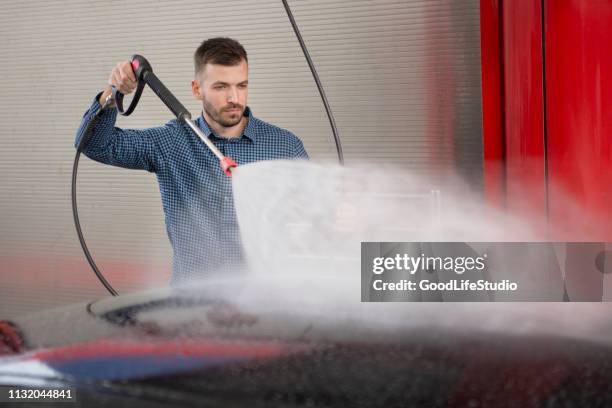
(403, 79)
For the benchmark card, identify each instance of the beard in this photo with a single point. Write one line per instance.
(222, 117)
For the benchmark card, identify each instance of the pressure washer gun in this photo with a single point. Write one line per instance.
(144, 75)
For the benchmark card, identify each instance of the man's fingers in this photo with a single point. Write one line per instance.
(114, 80)
(118, 83)
(128, 71)
(121, 81)
(123, 78)
(126, 82)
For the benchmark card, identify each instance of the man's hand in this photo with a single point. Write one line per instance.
(122, 77)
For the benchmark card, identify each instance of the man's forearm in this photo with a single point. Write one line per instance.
(103, 119)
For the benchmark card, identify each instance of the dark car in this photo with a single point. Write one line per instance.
(246, 343)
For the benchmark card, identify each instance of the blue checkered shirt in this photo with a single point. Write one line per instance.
(196, 195)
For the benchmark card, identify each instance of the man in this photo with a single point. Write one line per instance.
(196, 194)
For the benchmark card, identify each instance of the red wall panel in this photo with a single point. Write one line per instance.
(524, 112)
(579, 118)
(494, 143)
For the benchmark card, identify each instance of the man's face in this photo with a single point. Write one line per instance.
(223, 91)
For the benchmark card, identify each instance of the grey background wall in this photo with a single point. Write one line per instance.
(403, 79)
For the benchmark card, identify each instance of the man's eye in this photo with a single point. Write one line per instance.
(219, 87)
(242, 86)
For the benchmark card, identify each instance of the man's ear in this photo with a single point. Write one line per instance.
(196, 90)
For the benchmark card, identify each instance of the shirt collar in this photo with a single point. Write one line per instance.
(249, 130)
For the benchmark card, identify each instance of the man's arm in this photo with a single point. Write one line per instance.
(129, 148)
(299, 152)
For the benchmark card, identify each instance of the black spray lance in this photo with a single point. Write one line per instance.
(144, 75)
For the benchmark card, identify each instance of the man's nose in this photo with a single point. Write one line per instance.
(232, 95)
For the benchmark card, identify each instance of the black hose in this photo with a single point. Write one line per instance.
(330, 115)
(75, 213)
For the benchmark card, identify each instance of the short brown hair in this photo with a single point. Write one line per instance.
(219, 50)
